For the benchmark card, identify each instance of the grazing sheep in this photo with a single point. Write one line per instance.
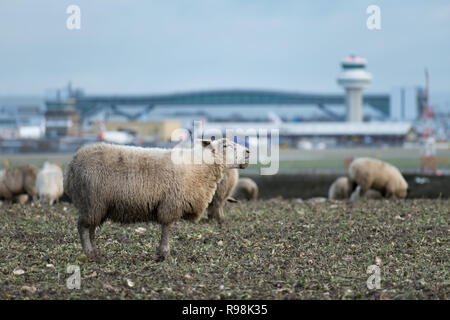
(246, 189)
(49, 183)
(223, 191)
(17, 181)
(370, 194)
(340, 189)
(131, 184)
(21, 199)
(374, 174)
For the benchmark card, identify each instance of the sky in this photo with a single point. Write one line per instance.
(144, 47)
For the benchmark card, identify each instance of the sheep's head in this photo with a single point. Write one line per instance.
(402, 190)
(225, 151)
(402, 193)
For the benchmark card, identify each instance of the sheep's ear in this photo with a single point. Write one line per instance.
(205, 143)
(231, 199)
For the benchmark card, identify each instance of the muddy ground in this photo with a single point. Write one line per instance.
(309, 185)
(277, 249)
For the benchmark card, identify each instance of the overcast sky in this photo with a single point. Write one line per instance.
(127, 47)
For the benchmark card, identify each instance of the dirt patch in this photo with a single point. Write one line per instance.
(275, 249)
(307, 186)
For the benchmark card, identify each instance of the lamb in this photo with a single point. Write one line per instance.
(49, 183)
(375, 174)
(340, 189)
(370, 194)
(18, 181)
(21, 199)
(246, 189)
(223, 192)
(131, 184)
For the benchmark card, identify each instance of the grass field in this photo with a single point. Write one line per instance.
(291, 161)
(274, 249)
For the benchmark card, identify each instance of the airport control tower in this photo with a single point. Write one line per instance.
(354, 78)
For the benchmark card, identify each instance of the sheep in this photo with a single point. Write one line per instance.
(370, 194)
(49, 183)
(375, 174)
(246, 189)
(21, 199)
(223, 192)
(18, 181)
(340, 189)
(132, 184)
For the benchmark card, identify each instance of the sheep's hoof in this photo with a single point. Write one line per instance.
(161, 258)
(99, 259)
(162, 255)
(95, 257)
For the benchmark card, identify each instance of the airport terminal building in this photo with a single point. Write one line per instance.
(299, 117)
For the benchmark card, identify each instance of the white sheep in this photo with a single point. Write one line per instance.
(131, 184)
(340, 189)
(246, 189)
(375, 174)
(49, 183)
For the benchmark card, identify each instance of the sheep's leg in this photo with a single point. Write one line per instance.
(389, 189)
(362, 190)
(353, 186)
(83, 230)
(98, 257)
(216, 212)
(219, 215)
(211, 212)
(390, 194)
(32, 191)
(164, 245)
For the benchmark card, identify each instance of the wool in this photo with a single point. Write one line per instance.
(340, 189)
(49, 183)
(223, 191)
(378, 175)
(17, 181)
(246, 189)
(131, 184)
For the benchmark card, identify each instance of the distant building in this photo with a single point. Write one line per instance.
(242, 103)
(158, 130)
(329, 133)
(354, 78)
(62, 119)
(132, 119)
(406, 103)
(22, 117)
